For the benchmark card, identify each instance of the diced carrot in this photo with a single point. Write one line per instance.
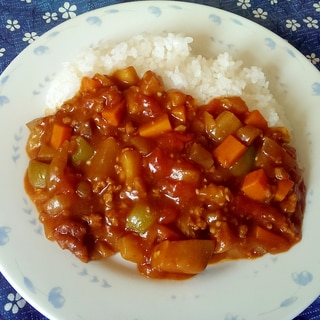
(60, 133)
(255, 185)
(156, 127)
(256, 119)
(229, 151)
(89, 84)
(179, 112)
(114, 113)
(272, 242)
(283, 188)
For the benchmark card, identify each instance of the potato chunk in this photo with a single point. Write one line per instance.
(185, 256)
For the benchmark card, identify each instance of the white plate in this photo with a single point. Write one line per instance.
(60, 286)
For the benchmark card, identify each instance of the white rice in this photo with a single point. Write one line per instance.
(171, 57)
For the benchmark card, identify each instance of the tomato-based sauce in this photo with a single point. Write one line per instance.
(128, 167)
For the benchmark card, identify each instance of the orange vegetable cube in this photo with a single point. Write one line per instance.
(156, 127)
(60, 133)
(114, 113)
(256, 185)
(229, 151)
(89, 84)
(283, 188)
(256, 119)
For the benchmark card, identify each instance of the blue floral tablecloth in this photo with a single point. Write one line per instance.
(23, 21)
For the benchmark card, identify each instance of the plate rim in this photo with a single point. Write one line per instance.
(157, 3)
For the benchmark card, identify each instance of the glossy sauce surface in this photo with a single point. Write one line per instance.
(127, 166)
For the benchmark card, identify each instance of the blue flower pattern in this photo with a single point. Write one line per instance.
(4, 235)
(302, 279)
(68, 10)
(3, 99)
(94, 21)
(56, 298)
(215, 19)
(316, 88)
(155, 11)
(41, 50)
(270, 43)
(28, 283)
(55, 294)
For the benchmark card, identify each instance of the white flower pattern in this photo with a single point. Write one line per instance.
(311, 23)
(293, 24)
(244, 4)
(317, 6)
(30, 37)
(313, 58)
(68, 10)
(260, 14)
(49, 17)
(12, 25)
(2, 51)
(15, 303)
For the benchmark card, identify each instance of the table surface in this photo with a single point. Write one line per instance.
(23, 21)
